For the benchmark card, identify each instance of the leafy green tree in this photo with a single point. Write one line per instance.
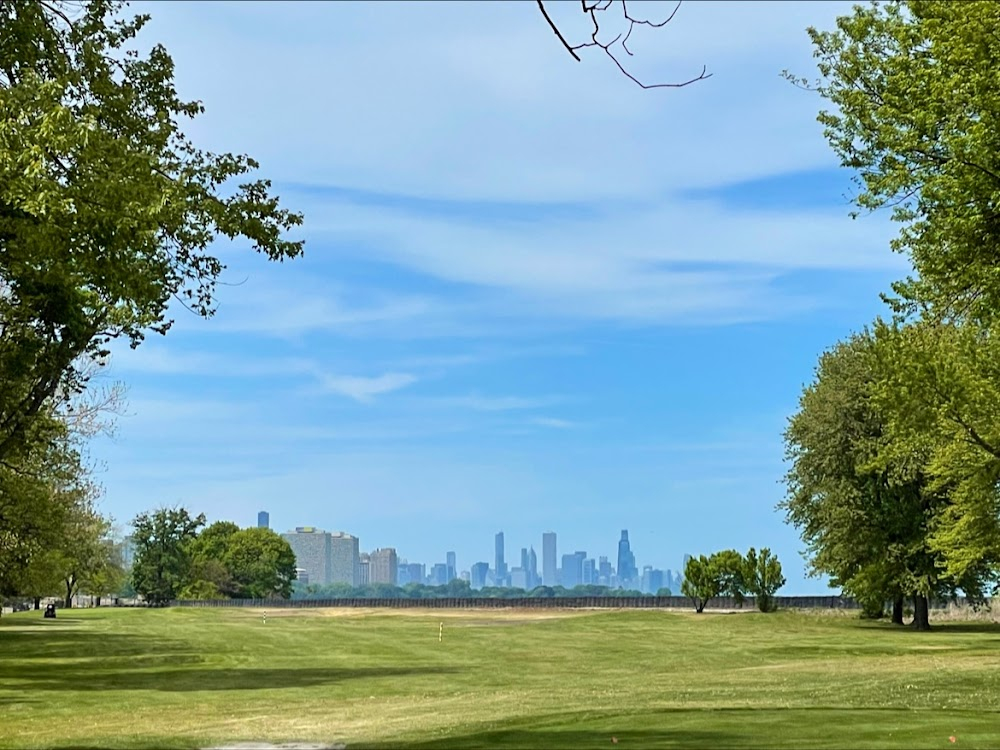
(262, 564)
(207, 553)
(942, 395)
(730, 569)
(162, 564)
(85, 554)
(763, 578)
(107, 210)
(916, 112)
(39, 494)
(860, 493)
(701, 582)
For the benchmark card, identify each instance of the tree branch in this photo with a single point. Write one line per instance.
(552, 25)
(591, 9)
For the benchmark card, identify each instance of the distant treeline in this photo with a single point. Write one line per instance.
(457, 589)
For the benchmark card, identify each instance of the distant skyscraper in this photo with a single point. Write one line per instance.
(572, 569)
(644, 585)
(656, 581)
(452, 567)
(364, 569)
(312, 552)
(478, 575)
(589, 571)
(384, 566)
(439, 574)
(532, 568)
(519, 578)
(604, 569)
(626, 561)
(345, 559)
(418, 572)
(500, 568)
(549, 574)
(263, 520)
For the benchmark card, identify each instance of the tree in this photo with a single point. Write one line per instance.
(701, 582)
(730, 569)
(162, 563)
(207, 553)
(916, 112)
(85, 554)
(763, 577)
(261, 562)
(862, 495)
(107, 210)
(39, 493)
(942, 397)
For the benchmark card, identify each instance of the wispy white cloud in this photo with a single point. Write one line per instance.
(490, 79)
(365, 389)
(553, 422)
(477, 402)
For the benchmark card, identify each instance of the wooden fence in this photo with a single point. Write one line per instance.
(570, 602)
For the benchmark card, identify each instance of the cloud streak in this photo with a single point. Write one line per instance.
(365, 389)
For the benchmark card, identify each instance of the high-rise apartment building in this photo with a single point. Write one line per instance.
(500, 568)
(263, 520)
(549, 574)
(345, 559)
(312, 552)
(384, 566)
(452, 567)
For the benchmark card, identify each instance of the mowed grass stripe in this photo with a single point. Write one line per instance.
(197, 677)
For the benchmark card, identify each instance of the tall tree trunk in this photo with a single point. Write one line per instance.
(38, 602)
(70, 582)
(921, 620)
(897, 610)
(97, 601)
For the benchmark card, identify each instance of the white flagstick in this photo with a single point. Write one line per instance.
(440, 632)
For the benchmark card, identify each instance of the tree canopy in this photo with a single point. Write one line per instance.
(107, 210)
(915, 89)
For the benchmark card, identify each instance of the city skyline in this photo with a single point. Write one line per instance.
(320, 563)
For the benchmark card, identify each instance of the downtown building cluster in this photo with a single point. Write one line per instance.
(326, 558)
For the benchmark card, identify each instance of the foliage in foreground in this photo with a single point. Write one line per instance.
(107, 210)
(174, 561)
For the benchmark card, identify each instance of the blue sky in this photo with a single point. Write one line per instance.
(534, 296)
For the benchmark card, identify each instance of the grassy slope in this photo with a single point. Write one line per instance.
(191, 678)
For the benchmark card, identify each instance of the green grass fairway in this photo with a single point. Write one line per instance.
(512, 679)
